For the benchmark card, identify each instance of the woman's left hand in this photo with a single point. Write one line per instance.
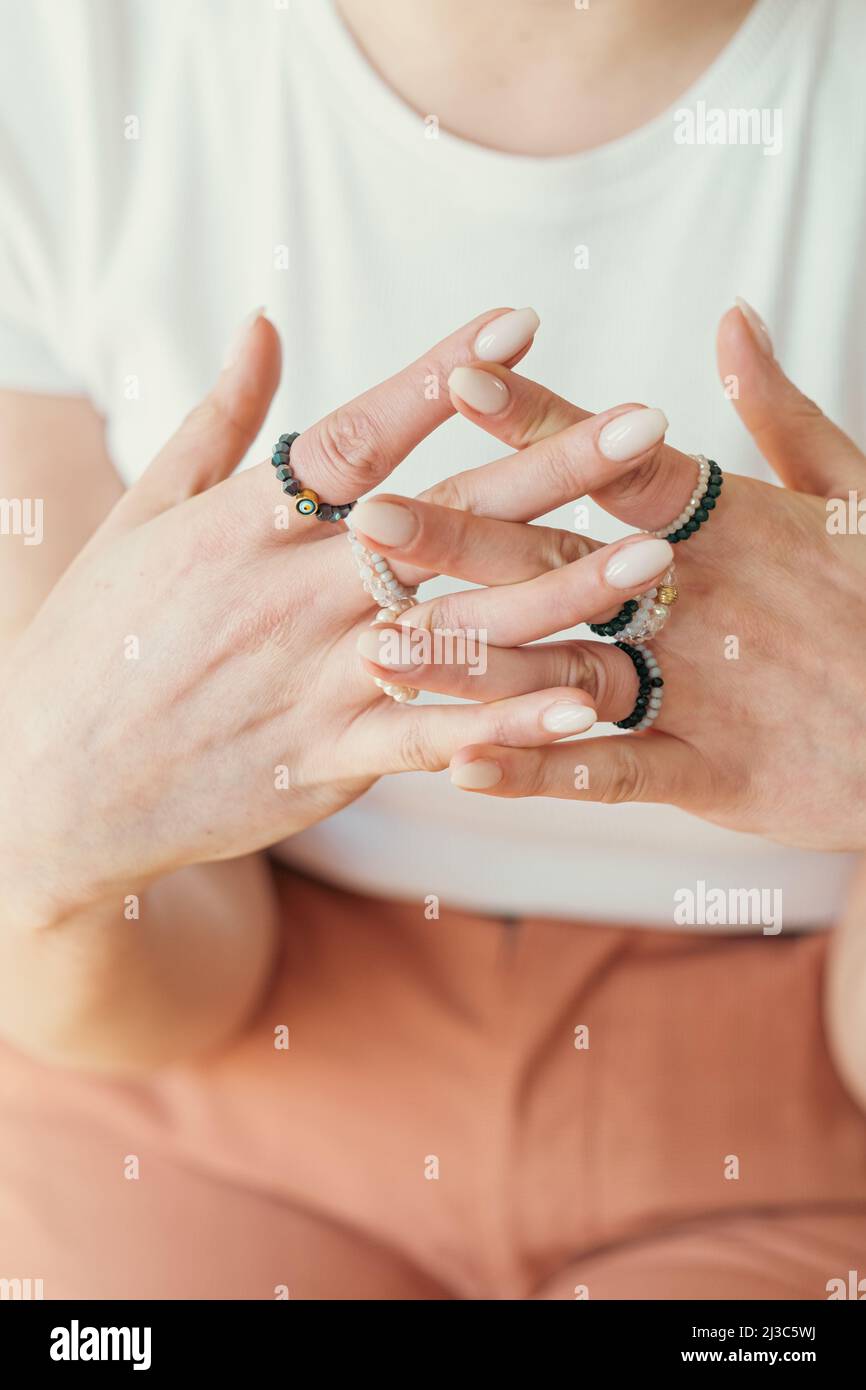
(762, 725)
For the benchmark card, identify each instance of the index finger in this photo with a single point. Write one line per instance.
(353, 448)
(618, 457)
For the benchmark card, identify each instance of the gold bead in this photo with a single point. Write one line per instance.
(667, 594)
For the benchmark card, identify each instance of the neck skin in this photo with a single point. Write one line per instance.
(541, 77)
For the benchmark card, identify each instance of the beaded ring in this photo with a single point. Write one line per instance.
(697, 510)
(650, 684)
(393, 599)
(641, 619)
(307, 501)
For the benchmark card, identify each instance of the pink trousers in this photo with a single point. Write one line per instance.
(460, 1108)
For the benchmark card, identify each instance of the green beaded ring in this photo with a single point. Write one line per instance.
(697, 510)
(700, 506)
(650, 685)
(307, 502)
(615, 625)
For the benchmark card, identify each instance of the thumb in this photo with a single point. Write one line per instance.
(807, 451)
(216, 434)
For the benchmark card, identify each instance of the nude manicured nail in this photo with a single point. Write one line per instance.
(377, 646)
(633, 433)
(482, 391)
(477, 776)
(760, 331)
(568, 717)
(502, 337)
(235, 347)
(635, 564)
(385, 522)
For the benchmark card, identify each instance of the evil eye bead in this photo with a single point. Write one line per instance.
(307, 502)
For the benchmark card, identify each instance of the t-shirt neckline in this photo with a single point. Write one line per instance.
(617, 168)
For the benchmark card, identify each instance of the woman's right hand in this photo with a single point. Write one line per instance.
(190, 689)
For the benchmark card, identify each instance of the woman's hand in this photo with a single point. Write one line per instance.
(190, 690)
(762, 726)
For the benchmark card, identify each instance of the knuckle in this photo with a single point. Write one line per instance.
(218, 414)
(800, 407)
(561, 470)
(536, 422)
(417, 753)
(440, 615)
(548, 777)
(634, 484)
(203, 416)
(266, 621)
(447, 493)
(499, 727)
(560, 548)
(349, 443)
(626, 778)
(579, 670)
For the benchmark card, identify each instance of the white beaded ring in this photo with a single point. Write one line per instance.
(653, 610)
(694, 501)
(393, 599)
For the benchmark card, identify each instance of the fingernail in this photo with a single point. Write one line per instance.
(760, 331)
(383, 647)
(477, 776)
(633, 433)
(635, 564)
(235, 347)
(502, 337)
(568, 717)
(385, 522)
(482, 391)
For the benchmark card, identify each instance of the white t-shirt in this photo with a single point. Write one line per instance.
(166, 166)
